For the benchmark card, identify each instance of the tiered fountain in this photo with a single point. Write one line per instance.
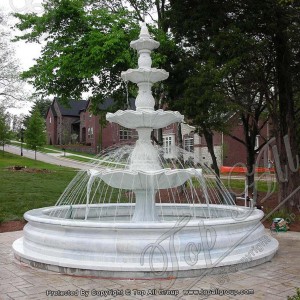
(155, 233)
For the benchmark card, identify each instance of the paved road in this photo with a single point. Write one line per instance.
(48, 158)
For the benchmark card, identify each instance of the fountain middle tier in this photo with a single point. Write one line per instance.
(137, 118)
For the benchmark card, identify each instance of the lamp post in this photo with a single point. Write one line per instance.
(22, 140)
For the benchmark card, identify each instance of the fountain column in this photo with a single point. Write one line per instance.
(146, 173)
(144, 156)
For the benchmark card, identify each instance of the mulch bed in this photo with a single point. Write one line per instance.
(28, 170)
(12, 226)
(269, 204)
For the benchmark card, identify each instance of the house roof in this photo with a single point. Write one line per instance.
(73, 109)
(53, 111)
(109, 102)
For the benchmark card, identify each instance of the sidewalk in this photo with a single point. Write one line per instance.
(48, 158)
(272, 281)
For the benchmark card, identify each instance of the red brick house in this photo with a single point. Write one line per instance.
(99, 134)
(89, 133)
(197, 147)
(76, 125)
(227, 150)
(234, 152)
(62, 122)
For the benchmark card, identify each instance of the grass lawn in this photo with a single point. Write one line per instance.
(21, 191)
(78, 158)
(261, 186)
(52, 149)
(59, 148)
(40, 149)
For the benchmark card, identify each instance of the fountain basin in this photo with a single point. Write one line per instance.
(180, 246)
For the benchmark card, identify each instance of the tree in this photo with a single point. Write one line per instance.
(11, 86)
(203, 103)
(286, 15)
(272, 26)
(4, 129)
(85, 50)
(40, 104)
(250, 74)
(35, 133)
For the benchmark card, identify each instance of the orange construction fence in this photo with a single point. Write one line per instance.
(243, 170)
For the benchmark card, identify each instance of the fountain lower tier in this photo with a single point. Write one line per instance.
(136, 118)
(123, 249)
(144, 180)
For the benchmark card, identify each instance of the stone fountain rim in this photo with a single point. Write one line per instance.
(40, 215)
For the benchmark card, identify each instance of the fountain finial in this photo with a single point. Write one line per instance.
(144, 31)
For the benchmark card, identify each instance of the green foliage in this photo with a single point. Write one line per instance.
(281, 213)
(4, 129)
(85, 50)
(204, 98)
(255, 45)
(40, 104)
(35, 133)
(295, 297)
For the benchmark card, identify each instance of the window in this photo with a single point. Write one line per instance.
(167, 144)
(50, 120)
(90, 132)
(125, 133)
(189, 144)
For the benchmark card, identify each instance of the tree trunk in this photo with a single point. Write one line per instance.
(210, 145)
(160, 136)
(250, 169)
(287, 147)
(180, 155)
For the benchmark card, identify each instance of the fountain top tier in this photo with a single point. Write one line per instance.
(145, 76)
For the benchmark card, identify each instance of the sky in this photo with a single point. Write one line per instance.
(25, 52)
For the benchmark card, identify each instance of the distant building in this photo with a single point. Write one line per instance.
(75, 126)
(63, 123)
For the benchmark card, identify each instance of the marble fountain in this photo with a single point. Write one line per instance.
(134, 214)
